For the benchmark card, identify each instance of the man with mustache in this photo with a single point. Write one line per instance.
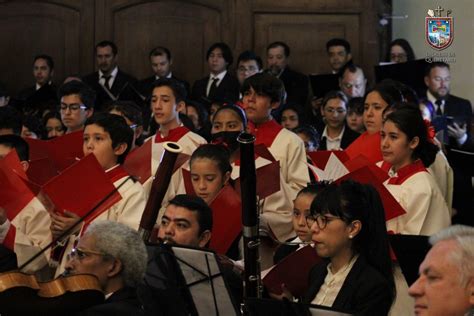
(109, 81)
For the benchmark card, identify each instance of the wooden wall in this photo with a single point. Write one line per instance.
(68, 30)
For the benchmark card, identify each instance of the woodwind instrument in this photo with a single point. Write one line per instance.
(248, 189)
(158, 189)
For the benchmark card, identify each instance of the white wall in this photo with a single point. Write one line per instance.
(413, 30)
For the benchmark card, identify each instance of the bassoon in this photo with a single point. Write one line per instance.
(158, 190)
(250, 216)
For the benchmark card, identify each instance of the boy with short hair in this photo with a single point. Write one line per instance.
(77, 104)
(109, 138)
(263, 93)
(28, 232)
(167, 101)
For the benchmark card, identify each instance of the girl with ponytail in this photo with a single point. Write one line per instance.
(407, 153)
(348, 230)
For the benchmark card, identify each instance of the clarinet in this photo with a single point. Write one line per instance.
(158, 190)
(248, 189)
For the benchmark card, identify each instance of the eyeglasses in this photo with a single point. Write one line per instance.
(398, 56)
(249, 69)
(338, 110)
(80, 254)
(349, 85)
(72, 107)
(321, 220)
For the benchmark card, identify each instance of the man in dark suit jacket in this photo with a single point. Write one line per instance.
(42, 96)
(109, 82)
(116, 255)
(438, 79)
(336, 134)
(296, 84)
(220, 84)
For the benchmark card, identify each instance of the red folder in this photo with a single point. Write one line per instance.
(14, 193)
(226, 219)
(320, 158)
(293, 271)
(41, 170)
(61, 151)
(365, 175)
(268, 180)
(367, 145)
(82, 187)
(361, 161)
(138, 162)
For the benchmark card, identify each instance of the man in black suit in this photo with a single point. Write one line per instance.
(116, 255)
(438, 79)
(296, 84)
(339, 53)
(42, 95)
(109, 82)
(220, 84)
(336, 134)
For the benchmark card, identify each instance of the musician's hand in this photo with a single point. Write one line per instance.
(61, 223)
(3, 216)
(284, 294)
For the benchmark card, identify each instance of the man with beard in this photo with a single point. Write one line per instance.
(296, 84)
(109, 82)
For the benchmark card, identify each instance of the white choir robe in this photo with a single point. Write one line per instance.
(128, 210)
(276, 210)
(443, 174)
(27, 234)
(188, 141)
(289, 150)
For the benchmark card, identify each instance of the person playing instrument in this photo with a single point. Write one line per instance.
(109, 138)
(166, 102)
(116, 255)
(28, 232)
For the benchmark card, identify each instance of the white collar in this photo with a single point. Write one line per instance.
(337, 138)
(168, 76)
(113, 74)
(219, 76)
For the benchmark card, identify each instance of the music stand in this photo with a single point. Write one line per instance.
(256, 306)
(194, 274)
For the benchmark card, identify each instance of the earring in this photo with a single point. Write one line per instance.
(350, 236)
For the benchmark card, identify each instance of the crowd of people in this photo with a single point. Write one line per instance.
(387, 127)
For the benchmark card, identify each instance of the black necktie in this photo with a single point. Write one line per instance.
(213, 89)
(438, 103)
(106, 82)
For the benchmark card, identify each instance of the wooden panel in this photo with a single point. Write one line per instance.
(43, 27)
(187, 29)
(306, 34)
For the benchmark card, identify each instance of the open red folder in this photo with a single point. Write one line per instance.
(367, 145)
(366, 175)
(82, 187)
(61, 152)
(138, 162)
(361, 161)
(268, 180)
(14, 193)
(320, 158)
(293, 271)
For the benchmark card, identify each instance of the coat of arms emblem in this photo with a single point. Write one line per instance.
(439, 31)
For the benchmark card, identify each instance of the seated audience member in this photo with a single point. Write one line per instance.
(347, 222)
(198, 115)
(32, 127)
(400, 51)
(446, 282)
(116, 255)
(4, 96)
(109, 82)
(53, 126)
(168, 99)
(261, 94)
(220, 84)
(301, 210)
(339, 53)
(11, 121)
(352, 81)
(295, 84)
(77, 104)
(28, 232)
(355, 115)
(290, 117)
(248, 64)
(336, 135)
(309, 135)
(109, 138)
(130, 111)
(407, 153)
